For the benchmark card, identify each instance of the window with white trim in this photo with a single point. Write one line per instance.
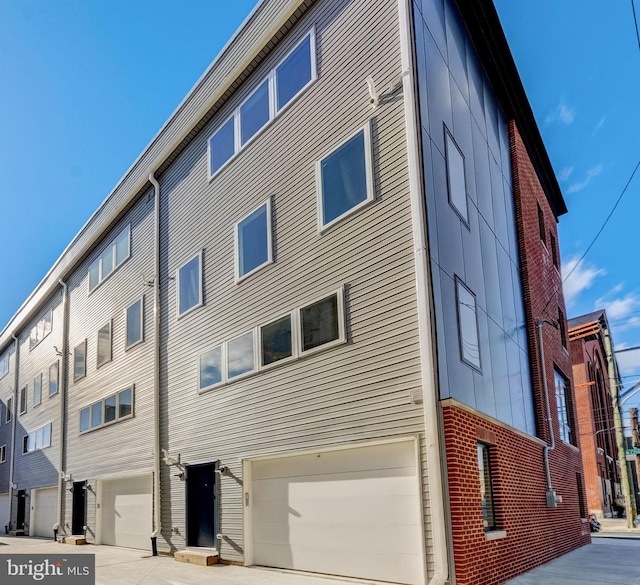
(456, 180)
(104, 345)
(134, 323)
(80, 361)
(468, 326)
(486, 488)
(38, 439)
(41, 329)
(276, 341)
(322, 322)
(9, 411)
(54, 376)
(4, 365)
(23, 399)
(345, 178)
(3, 453)
(109, 410)
(116, 252)
(210, 371)
(565, 408)
(253, 241)
(280, 87)
(189, 277)
(37, 390)
(240, 356)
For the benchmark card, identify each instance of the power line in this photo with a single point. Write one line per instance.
(635, 20)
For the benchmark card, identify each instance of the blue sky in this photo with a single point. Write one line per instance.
(86, 85)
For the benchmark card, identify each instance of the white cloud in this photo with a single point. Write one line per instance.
(599, 125)
(562, 113)
(580, 278)
(565, 173)
(619, 307)
(628, 362)
(591, 174)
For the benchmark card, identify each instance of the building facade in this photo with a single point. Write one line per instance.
(305, 330)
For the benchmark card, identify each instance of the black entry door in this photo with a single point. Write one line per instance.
(78, 508)
(201, 505)
(22, 502)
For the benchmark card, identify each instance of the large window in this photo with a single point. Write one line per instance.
(4, 365)
(104, 344)
(54, 375)
(116, 252)
(565, 409)
(486, 488)
(135, 323)
(80, 361)
(345, 178)
(190, 285)
(41, 329)
(37, 390)
(468, 326)
(38, 439)
(456, 181)
(253, 241)
(109, 410)
(281, 86)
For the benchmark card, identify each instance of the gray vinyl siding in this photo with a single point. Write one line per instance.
(126, 446)
(7, 383)
(454, 91)
(353, 392)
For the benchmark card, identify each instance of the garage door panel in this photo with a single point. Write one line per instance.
(387, 482)
(126, 512)
(45, 503)
(349, 515)
(385, 456)
(398, 568)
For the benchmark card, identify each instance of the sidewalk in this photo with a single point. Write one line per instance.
(616, 528)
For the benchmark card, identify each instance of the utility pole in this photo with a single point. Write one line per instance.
(633, 416)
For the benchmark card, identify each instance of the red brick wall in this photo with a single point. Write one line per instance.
(535, 534)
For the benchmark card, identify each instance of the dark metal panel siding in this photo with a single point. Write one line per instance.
(6, 391)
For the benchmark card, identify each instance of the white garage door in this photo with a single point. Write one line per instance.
(126, 512)
(4, 511)
(352, 512)
(45, 511)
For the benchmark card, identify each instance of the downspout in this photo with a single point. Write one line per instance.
(425, 319)
(14, 415)
(62, 390)
(157, 516)
(552, 500)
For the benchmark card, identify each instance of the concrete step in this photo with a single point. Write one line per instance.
(75, 540)
(204, 558)
(16, 532)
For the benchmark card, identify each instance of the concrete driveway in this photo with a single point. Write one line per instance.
(121, 566)
(607, 561)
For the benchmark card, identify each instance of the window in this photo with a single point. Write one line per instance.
(9, 412)
(190, 285)
(253, 241)
(467, 326)
(80, 361)
(295, 71)
(456, 181)
(4, 365)
(54, 374)
(135, 321)
(345, 178)
(116, 252)
(582, 505)
(23, 400)
(322, 322)
(541, 228)
(565, 409)
(486, 488)
(281, 86)
(276, 341)
(112, 409)
(210, 368)
(41, 329)
(37, 390)
(240, 356)
(104, 344)
(562, 328)
(3, 453)
(554, 249)
(38, 439)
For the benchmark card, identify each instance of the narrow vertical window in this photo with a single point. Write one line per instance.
(4, 365)
(565, 409)
(37, 390)
(9, 412)
(134, 318)
(3, 453)
(104, 344)
(254, 113)
(582, 506)
(80, 361)
(96, 415)
(240, 355)
(190, 285)
(54, 375)
(486, 488)
(456, 180)
(23, 400)
(468, 326)
(253, 241)
(295, 72)
(85, 419)
(345, 178)
(222, 146)
(541, 228)
(125, 403)
(562, 328)
(554, 249)
(210, 368)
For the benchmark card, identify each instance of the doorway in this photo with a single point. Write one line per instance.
(22, 507)
(202, 505)
(79, 506)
